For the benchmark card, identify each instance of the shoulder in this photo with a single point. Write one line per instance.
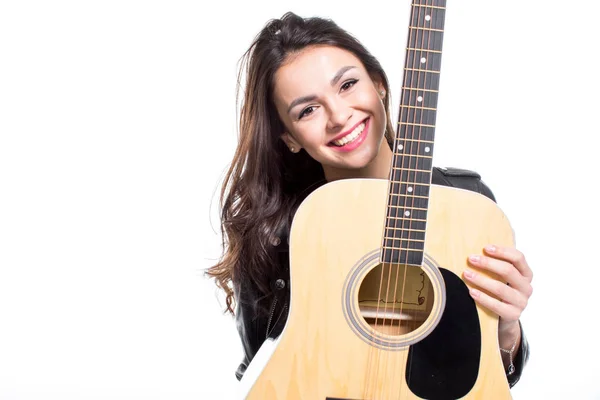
(461, 178)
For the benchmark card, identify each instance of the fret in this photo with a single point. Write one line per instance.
(404, 234)
(413, 178)
(402, 258)
(419, 108)
(425, 39)
(413, 163)
(425, 59)
(405, 239)
(409, 219)
(421, 239)
(423, 50)
(405, 229)
(402, 189)
(422, 70)
(422, 80)
(428, 6)
(430, 3)
(420, 89)
(411, 169)
(412, 201)
(415, 114)
(416, 140)
(392, 247)
(426, 29)
(414, 236)
(416, 227)
(408, 208)
(422, 176)
(429, 99)
(412, 224)
(411, 257)
(397, 213)
(413, 124)
(411, 196)
(412, 149)
(413, 183)
(402, 244)
(421, 133)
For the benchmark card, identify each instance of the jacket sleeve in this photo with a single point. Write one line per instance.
(247, 321)
(240, 322)
(519, 359)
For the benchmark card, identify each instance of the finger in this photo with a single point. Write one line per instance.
(513, 256)
(505, 270)
(504, 293)
(507, 312)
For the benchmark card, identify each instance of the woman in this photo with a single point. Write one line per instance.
(316, 109)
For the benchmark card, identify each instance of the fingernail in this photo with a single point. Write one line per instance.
(474, 292)
(490, 248)
(474, 259)
(469, 274)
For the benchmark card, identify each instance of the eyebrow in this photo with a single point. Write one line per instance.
(334, 80)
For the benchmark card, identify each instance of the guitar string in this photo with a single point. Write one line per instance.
(433, 17)
(411, 155)
(415, 66)
(414, 21)
(387, 251)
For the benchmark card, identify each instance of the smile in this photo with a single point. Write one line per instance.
(350, 140)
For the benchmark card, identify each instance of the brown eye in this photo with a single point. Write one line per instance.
(347, 85)
(306, 111)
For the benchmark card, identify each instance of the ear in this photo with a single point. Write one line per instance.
(290, 142)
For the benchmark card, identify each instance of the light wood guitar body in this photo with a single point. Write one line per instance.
(336, 232)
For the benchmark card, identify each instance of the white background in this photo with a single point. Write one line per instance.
(117, 121)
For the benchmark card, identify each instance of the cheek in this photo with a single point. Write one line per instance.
(372, 102)
(311, 133)
(379, 111)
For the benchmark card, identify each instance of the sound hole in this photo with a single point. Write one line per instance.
(395, 299)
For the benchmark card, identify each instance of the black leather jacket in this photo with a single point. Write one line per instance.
(255, 327)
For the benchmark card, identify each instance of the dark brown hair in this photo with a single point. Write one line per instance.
(266, 182)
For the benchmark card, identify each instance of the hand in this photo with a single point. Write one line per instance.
(510, 300)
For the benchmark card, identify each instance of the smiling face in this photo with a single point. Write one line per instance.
(333, 109)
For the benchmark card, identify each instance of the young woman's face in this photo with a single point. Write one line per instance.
(331, 107)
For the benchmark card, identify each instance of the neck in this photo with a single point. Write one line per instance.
(379, 168)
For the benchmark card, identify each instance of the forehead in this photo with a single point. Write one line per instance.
(310, 71)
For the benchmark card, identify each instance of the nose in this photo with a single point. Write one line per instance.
(339, 114)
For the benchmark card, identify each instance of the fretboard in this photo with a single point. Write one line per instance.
(410, 176)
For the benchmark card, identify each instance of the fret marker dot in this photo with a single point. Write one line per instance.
(407, 213)
(423, 60)
(427, 149)
(400, 147)
(410, 189)
(428, 18)
(420, 99)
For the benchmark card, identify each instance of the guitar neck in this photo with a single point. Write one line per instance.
(410, 176)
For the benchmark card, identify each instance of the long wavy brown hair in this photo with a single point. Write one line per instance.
(265, 182)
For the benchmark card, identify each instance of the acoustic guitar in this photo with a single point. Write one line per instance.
(378, 306)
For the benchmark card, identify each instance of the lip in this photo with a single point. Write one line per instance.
(356, 142)
(341, 135)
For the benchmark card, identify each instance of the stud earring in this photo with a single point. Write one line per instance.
(382, 93)
(292, 149)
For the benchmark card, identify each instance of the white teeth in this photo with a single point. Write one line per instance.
(351, 136)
